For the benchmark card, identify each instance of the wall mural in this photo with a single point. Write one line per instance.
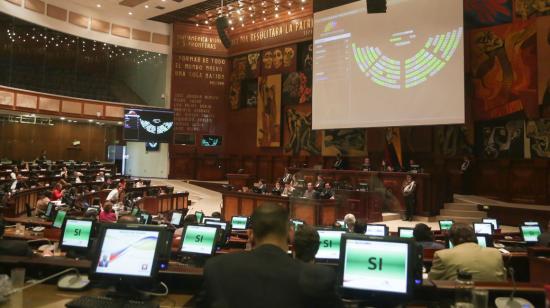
(502, 138)
(537, 139)
(347, 142)
(452, 140)
(504, 65)
(526, 9)
(481, 13)
(299, 138)
(269, 111)
(543, 45)
(279, 60)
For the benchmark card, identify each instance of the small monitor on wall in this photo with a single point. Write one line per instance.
(211, 141)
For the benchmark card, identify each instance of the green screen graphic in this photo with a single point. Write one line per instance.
(445, 224)
(481, 241)
(199, 239)
(58, 222)
(199, 216)
(329, 246)
(406, 233)
(239, 223)
(530, 233)
(77, 233)
(376, 266)
(395, 74)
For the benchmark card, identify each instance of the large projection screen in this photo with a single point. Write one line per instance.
(400, 68)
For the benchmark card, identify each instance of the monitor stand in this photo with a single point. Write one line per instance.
(129, 291)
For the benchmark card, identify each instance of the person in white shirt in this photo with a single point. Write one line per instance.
(409, 193)
(114, 195)
(100, 177)
(77, 176)
(13, 174)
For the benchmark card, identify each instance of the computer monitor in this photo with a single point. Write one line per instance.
(59, 219)
(530, 234)
(221, 224)
(296, 223)
(176, 218)
(484, 240)
(50, 209)
(199, 215)
(145, 218)
(135, 211)
(373, 267)
(405, 232)
(445, 224)
(239, 223)
(492, 221)
(342, 224)
(204, 218)
(76, 234)
(530, 223)
(483, 228)
(127, 252)
(199, 240)
(329, 245)
(376, 230)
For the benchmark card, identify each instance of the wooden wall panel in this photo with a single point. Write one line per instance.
(120, 31)
(93, 109)
(49, 104)
(141, 35)
(16, 2)
(71, 107)
(36, 5)
(7, 98)
(79, 20)
(100, 25)
(26, 101)
(57, 12)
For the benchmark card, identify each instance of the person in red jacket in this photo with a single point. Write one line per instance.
(57, 192)
(107, 214)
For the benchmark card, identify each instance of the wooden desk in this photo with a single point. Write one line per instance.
(48, 296)
(29, 221)
(387, 182)
(238, 180)
(243, 204)
(315, 212)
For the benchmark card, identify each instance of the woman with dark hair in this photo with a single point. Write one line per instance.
(424, 236)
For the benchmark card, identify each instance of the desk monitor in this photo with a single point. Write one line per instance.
(342, 224)
(204, 218)
(135, 211)
(405, 232)
(484, 240)
(483, 228)
(492, 221)
(199, 240)
(376, 230)
(329, 245)
(221, 224)
(176, 218)
(296, 223)
(127, 252)
(199, 215)
(59, 219)
(239, 223)
(76, 234)
(50, 209)
(530, 234)
(145, 218)
(530, 223)
(445, 224)
(373, 267)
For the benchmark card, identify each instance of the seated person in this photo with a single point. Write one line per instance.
(320, 184)
(413, 166)
(216, 215)
(13, 247)
(310, 193)
(366, 165)
(360, 227)
(287, 191)
(339, 164)
(260, 187)
(349, 220)
(327, 192)
(305, 244)
(107, 214)
(42, 202)
(127, 219)
(100, 177)
(278, 189)
(77, 176)
(424, 236)
(485, 264)
(269, 276)
(544, 238)
(114, 194)
(64, 173)
(57, 192)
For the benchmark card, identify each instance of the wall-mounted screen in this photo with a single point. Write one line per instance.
(148, 125)
(404, 67)
(211, 141)
(152, 146)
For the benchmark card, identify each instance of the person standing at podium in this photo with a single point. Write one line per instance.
(339, 164)
(409, 193)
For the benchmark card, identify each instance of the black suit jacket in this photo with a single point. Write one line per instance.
(266, 277)
(15, 248)
(544, 239)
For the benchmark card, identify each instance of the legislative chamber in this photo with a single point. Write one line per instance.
(274, 153)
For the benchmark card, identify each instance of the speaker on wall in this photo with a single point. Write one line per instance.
(222, 23)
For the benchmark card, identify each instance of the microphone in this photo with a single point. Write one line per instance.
(77, 281)
(512, 302)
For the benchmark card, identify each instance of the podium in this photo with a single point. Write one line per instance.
(238, 180)
(315, 212)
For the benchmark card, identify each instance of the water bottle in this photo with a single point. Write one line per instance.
(464, 287)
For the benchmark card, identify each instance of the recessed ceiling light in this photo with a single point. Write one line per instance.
(146, 6)
(130, 13)
(90, 120)
(98, 5)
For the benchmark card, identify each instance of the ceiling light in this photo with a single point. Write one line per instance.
(62, 118)
(129, 13)
(90, 121)
(146, 6)
(98, 5)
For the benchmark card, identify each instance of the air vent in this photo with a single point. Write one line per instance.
(160, 7)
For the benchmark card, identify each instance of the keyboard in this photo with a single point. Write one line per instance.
(103, 302)
(516, 249)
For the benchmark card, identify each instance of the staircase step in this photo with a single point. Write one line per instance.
(466, 220)
(460, 213)
(461, 206)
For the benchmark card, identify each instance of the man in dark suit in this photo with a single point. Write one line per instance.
(544, 238)
(13, 247)
(266, 276)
